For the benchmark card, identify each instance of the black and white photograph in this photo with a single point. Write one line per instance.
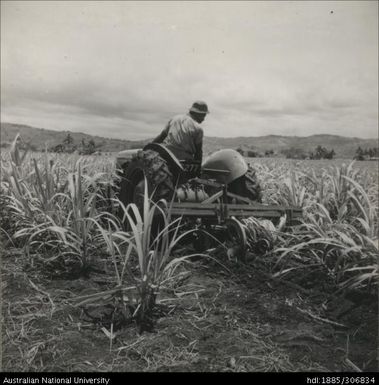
(189, 186)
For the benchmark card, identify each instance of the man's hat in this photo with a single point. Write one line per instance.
(199, 107)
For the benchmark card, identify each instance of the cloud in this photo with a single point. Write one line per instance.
(125, 68)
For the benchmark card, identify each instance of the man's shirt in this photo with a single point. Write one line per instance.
(184, 137)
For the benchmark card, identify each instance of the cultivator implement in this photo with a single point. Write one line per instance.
(244, 224)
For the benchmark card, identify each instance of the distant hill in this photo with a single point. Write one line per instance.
(344, 147)
(39, 137)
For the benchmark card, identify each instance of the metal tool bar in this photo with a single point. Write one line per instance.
(255, 206)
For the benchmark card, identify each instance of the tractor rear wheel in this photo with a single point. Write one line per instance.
(247, 186)
(160, 180)
(253, 188)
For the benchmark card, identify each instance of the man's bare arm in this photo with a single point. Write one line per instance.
(199, 147)
(162, 136)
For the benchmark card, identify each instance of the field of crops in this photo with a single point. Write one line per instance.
(81, 293)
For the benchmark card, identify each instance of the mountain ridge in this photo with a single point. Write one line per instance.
(38, 138)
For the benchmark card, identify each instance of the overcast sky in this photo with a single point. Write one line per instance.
(122, 69)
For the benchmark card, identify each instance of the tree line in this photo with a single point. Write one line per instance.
(319, 152)
(68, 146)
(365, 154)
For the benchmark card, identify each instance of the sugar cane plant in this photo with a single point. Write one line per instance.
(48, 208)
(135, 294)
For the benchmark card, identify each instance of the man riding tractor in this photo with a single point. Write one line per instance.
(172, 165)
(183, 135)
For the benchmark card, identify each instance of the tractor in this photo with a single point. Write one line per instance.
(213, 198)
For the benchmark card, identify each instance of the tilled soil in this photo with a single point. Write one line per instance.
(216, 319)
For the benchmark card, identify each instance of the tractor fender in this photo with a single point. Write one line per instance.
(224, 165)
(124, 157)
(167, 155)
